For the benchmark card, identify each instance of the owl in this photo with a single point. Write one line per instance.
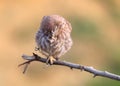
(53, 38)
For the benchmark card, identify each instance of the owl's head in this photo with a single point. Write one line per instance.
(53, 23)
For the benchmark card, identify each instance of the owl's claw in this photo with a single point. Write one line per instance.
(50, 60)
(36, 49)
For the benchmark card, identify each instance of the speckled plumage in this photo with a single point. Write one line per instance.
(53, 37)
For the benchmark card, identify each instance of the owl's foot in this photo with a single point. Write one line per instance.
(50, 60)
(36, 48)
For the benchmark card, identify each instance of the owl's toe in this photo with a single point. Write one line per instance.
(50, 60)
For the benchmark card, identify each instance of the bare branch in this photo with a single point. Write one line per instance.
(95, 72)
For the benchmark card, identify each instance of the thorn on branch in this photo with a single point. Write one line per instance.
(95, 75)
(71, 68)
(35, 55)
(81, 68)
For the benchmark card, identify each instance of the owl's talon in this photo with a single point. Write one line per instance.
(36, 49)
(50, 60)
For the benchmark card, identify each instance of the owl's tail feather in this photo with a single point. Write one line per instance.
(50, 60)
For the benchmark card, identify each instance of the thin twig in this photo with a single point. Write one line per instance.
(95, 72)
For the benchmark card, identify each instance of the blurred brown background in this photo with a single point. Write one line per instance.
(96, 35)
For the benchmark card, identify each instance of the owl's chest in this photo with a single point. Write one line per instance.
(50, 45)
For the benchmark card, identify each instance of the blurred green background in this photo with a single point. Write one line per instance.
(96, 35)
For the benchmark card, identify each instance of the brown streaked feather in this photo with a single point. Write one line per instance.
(53, 38)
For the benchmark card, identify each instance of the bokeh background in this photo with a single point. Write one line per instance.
(96, 35)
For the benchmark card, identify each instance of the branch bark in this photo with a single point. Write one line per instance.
(91, 70)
